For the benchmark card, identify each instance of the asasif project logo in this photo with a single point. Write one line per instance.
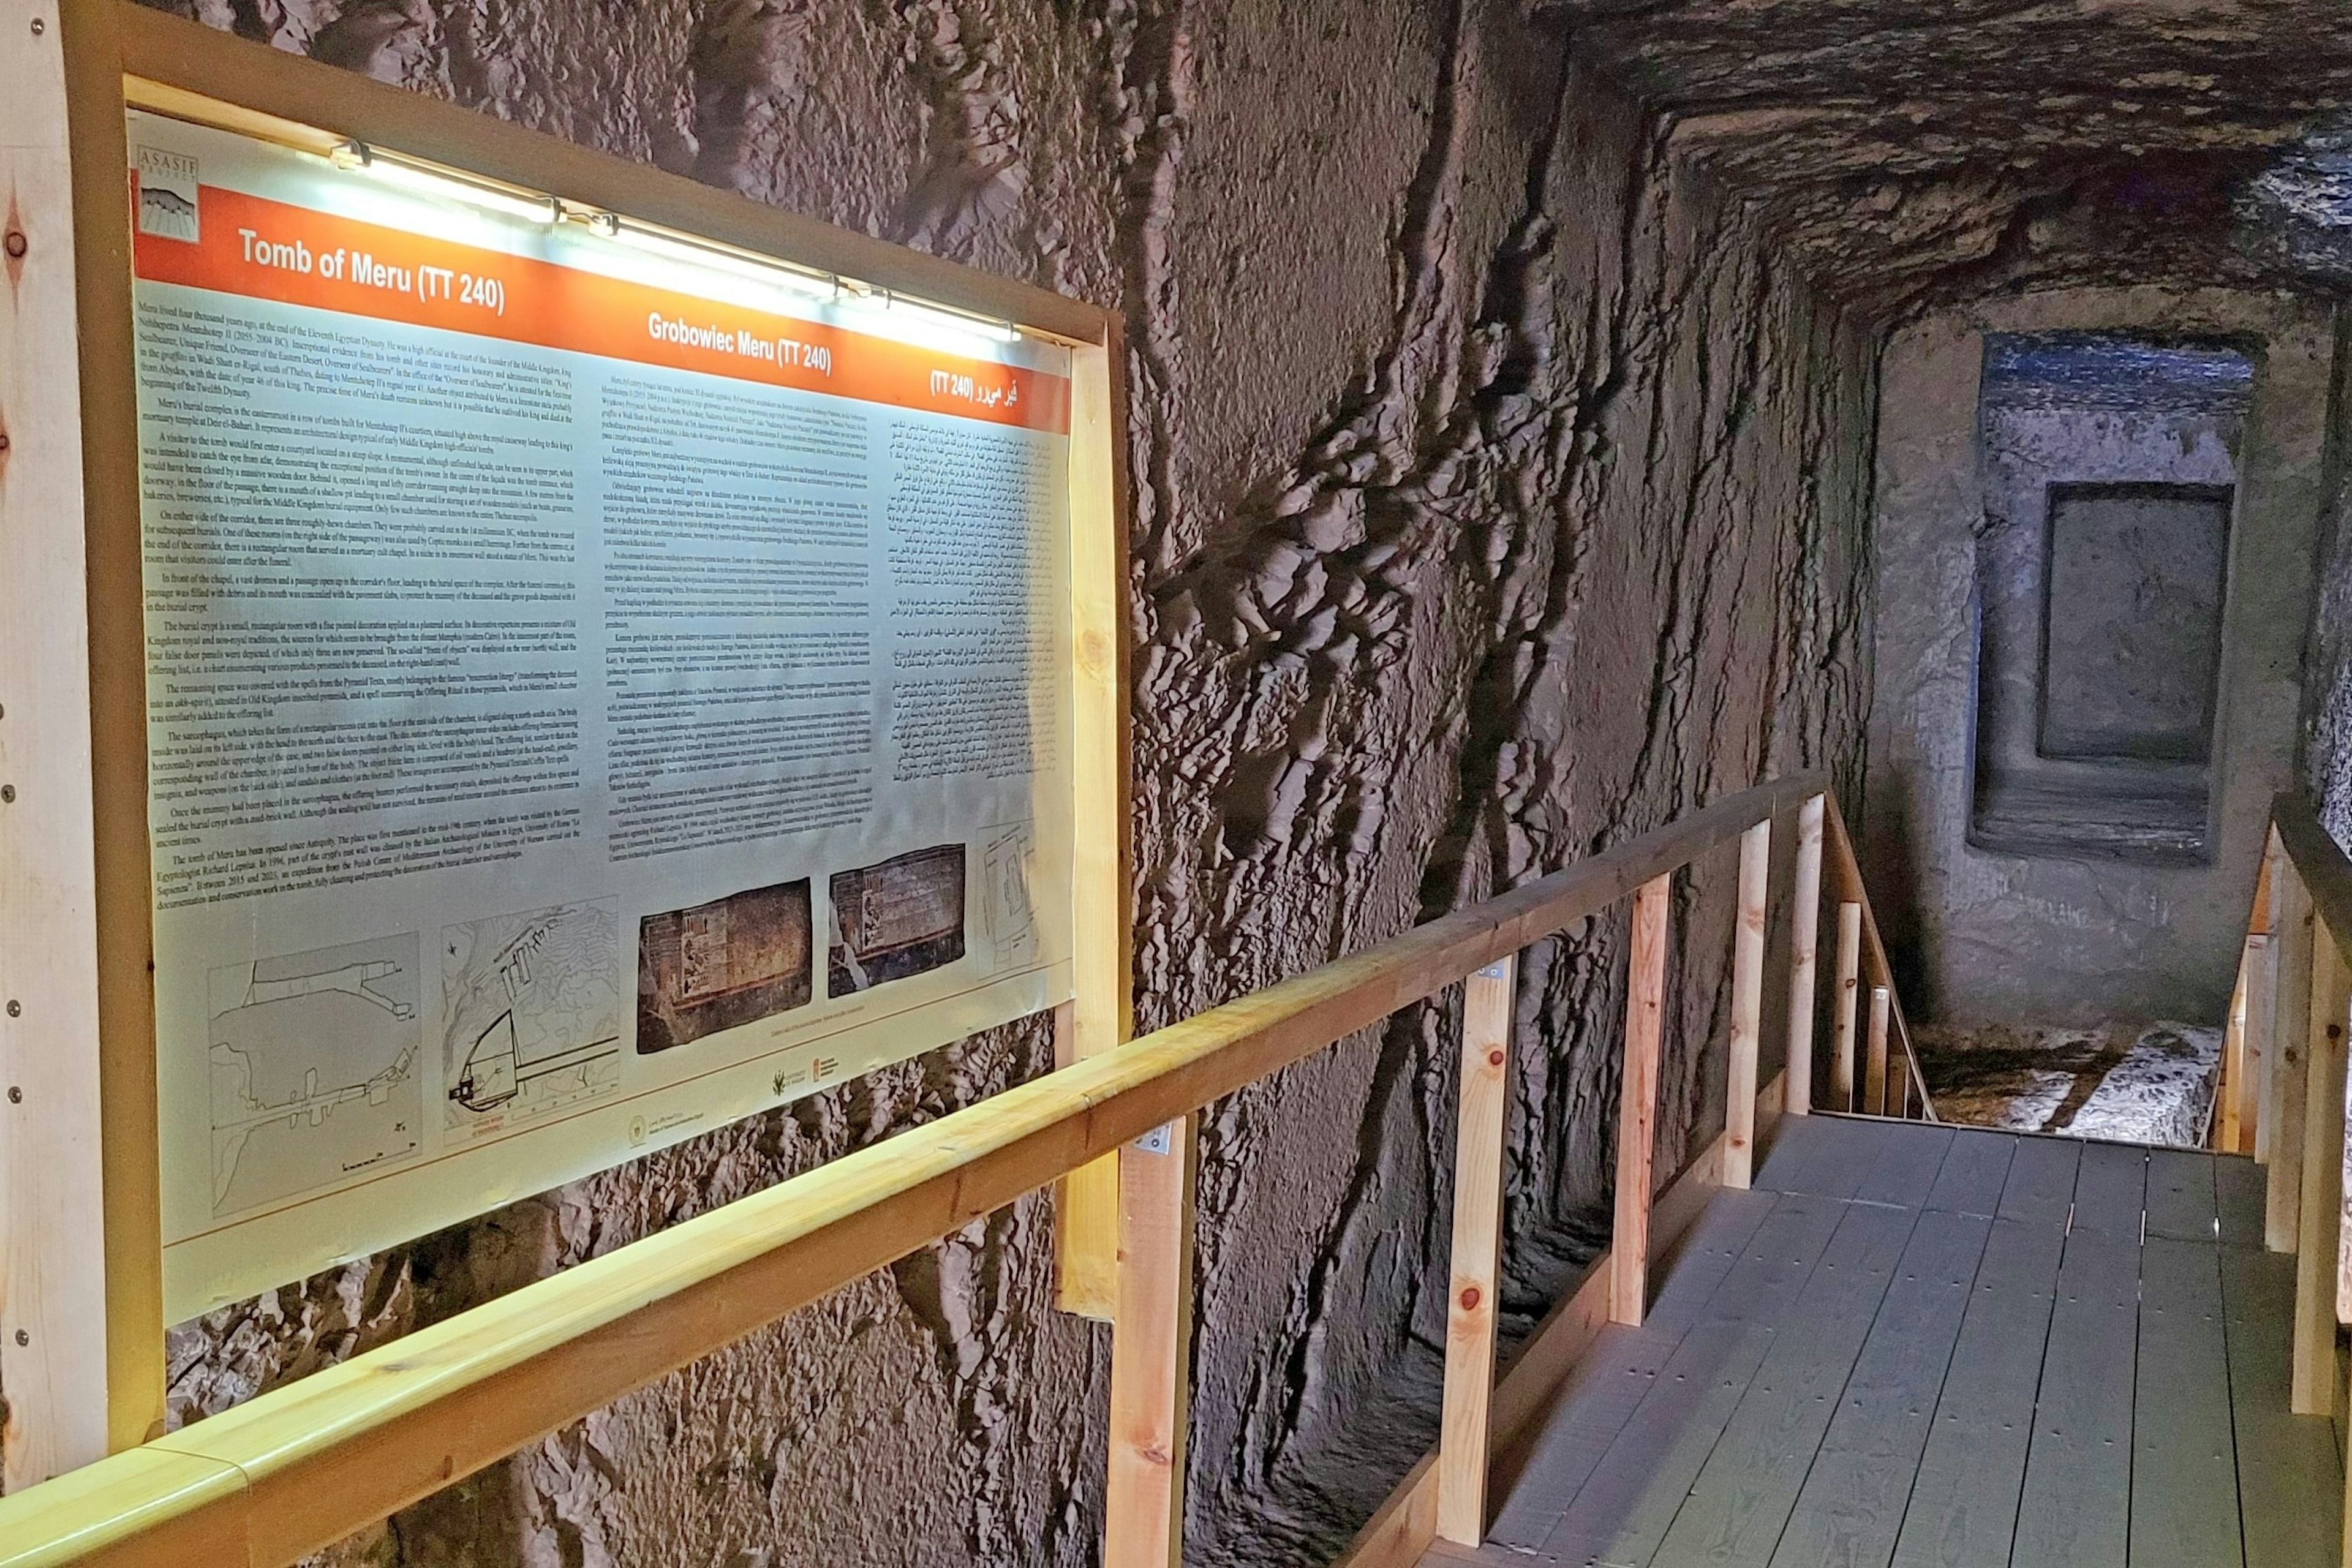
(167, 194)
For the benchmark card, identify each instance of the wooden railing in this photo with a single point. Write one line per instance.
(301, 1467)
(2282, 1093)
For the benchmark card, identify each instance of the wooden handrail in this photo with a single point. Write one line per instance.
(296, 1468)
(2325, 871)
(2282, 1095)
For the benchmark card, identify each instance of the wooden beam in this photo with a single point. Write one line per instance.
(1747, 1006)
(1844, 1018)
(1804, 955)
(132, 1237)
(2266, 1085)
(1487, 997)
(2233, 1059)
(1151, 1356)
(53, 1351)
(1874, 1090)
(2325, 871)
(2293, 934)
(2254, 1038)
(1637, 1103)
(2313, 1391)
(1102, 913)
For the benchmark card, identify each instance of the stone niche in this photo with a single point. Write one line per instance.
(2109, 474)
(2096, 517)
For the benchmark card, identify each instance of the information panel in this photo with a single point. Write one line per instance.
(594, 693)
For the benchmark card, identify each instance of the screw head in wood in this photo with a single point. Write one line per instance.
(15, 1095)
(23, 1339)
(7, 794)
(39, 27)
(16, 1008)
(17, 244)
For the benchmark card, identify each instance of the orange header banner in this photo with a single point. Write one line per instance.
(265, 249)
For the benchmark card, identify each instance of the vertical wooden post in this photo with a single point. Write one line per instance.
(1849, 981)
(2275, 874)
(53, 1351)
(2292, 934)
(1804, 955)
(2313, 1390)
(1150, 1385)
(2254, 1037)
(1747, 1006)
(115, 594)
(1637, 1103)
(1102, 1016)
(1874, 1088)
(1462, 1459)
(2253, 1028)
(2234, 1064)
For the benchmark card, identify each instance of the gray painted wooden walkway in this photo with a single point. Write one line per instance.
(1933, 1347)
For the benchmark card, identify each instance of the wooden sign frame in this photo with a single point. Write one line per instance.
(81, 1327)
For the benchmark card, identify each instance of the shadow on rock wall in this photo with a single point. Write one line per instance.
(1496, 500)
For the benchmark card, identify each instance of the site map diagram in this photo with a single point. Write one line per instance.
(534, 1014)
(314, 1060)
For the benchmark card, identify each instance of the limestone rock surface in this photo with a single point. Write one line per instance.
(1500, 494)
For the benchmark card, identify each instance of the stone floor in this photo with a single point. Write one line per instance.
(2139, 1083)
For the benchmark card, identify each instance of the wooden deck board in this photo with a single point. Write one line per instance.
(1851, 1505)
(2290, 1477)
(2239, 1193)
(2182, 1201)
(1945, 1348)
(1618, 1373)
(2184, 1469)
(2111, 1189)
(1625, 1508)
(1824, 1157)
(1962, 1511)
(2041, 1184)
(2077, 1508)
(1906, 1168)
(1742, 1497)
(1975, 1169)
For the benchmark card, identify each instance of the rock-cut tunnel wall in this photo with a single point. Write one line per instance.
(1496, 497)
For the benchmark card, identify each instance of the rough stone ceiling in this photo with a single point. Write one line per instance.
(1916, 150)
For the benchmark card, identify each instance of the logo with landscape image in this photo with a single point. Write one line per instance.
(730, 962)
(167, 194)
(314, 1069)
(899, 918)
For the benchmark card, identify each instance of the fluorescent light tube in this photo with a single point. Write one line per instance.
(810, 285)
(450, 185)
(935, 323)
